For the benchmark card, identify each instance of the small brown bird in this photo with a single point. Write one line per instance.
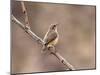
(51, 37)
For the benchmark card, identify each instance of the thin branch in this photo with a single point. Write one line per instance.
(38, 39)
(33, 35)
(25, 13)
(26, 27)
(62, 60)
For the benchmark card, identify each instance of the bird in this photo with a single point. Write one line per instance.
(51, 37)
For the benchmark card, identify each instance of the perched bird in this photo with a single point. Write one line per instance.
(51, 37)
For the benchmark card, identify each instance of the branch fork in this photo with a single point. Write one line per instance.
(52, 50)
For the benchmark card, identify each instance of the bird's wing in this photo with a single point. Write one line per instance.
(50, 37)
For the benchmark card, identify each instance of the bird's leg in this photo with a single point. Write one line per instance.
(52, 49)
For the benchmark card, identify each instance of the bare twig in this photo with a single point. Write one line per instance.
(38, 39)
(62, 60)
(33, 35)
(26, 27)
(25, 13)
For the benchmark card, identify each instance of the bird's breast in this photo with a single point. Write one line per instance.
(54, 42)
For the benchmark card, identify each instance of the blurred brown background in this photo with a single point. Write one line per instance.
(76, 43)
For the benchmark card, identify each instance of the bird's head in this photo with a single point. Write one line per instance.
(53, 27)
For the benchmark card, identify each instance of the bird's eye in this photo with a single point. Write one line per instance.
(54, 25)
